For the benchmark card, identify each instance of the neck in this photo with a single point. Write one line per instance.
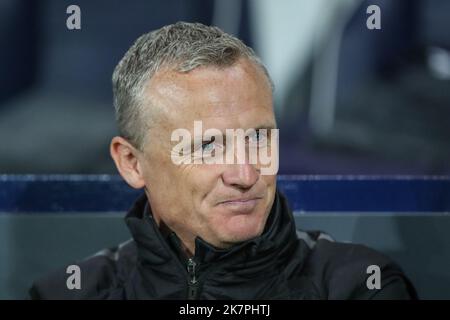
(188, 247)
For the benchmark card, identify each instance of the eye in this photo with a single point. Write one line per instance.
(257, 137)
(208, 145)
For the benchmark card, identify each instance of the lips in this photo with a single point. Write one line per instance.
(240, 200)
(241, 205)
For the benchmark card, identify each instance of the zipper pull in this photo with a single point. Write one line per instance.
(192, 281)
(191, 268)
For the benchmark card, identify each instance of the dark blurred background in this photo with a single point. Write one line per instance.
(349, 100)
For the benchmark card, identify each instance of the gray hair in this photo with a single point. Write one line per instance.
(180, 47)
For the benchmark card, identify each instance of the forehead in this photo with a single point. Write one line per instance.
(238, 96)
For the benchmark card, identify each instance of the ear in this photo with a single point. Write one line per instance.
(126, 159)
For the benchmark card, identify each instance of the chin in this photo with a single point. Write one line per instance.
(239, 228)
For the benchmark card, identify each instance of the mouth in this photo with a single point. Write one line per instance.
(241, 205)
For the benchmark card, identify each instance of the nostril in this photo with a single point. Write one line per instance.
(241, 188)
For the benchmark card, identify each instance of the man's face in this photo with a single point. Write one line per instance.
(221, 203)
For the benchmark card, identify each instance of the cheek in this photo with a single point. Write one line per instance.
(186, 187)
(164, 182)
(204, 179)
(271, 183)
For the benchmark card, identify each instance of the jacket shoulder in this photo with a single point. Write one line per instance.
(101, 276)
(342, 270)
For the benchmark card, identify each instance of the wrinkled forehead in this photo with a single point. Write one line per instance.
(237, 96)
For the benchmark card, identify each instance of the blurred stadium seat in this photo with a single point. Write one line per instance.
(370, 101)
(56, 83)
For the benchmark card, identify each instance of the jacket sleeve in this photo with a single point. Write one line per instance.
(397, 289)
(98, 277)
(346, 273)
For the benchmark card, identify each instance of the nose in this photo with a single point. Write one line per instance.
(241, 176)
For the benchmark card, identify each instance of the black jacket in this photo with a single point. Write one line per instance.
(282, 263)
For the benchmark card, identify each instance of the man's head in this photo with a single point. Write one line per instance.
(169, 79)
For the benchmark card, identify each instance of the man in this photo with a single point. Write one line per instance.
(210, 229)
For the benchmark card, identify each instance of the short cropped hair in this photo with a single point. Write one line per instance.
(181, 47)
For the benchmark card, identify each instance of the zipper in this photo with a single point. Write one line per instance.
(192, 278)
